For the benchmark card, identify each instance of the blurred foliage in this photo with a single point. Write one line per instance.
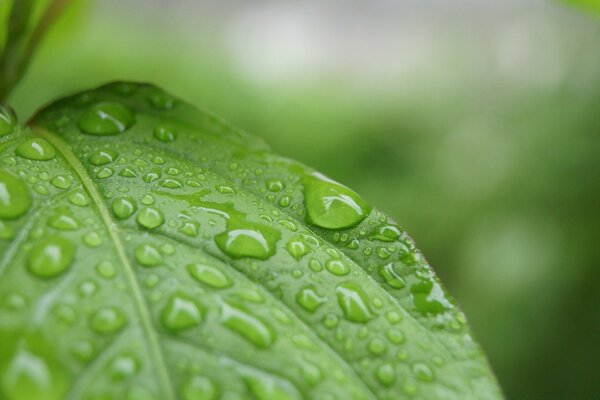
(589, 5)
(496, 179)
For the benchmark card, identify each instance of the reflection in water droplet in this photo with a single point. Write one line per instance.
(248, 326)
(180, 313)
(107, 118)
(209, 275)
(15, 199)
(51, 257)
(353, 302)
(36, 149)
(331, 205)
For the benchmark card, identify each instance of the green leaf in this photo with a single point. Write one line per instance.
(151, 251)
(592, 6)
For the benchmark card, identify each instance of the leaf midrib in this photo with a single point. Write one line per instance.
(140, 303)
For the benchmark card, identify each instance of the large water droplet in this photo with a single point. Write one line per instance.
(15, 199)
(107, 320)
(248, 326)
(180, 313)
(254, 241)
(150, 218)
(199, 388)
(36, 149)
(354, 302)
(209, 275)
(428, 297)
(63, 222)
(51, 257)
(106, 118)
(148, 255)
(331, 205)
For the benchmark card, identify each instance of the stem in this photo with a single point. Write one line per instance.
(17, 55)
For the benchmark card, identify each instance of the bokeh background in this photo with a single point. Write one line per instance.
(475, 124)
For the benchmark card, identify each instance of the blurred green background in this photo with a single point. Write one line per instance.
(476, 125)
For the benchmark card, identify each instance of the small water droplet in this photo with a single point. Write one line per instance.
(51, 257)
(106, 269)
(391, 277)
(209, 275)
(353, 302)
(124, 207)
(189, 228)
(337, 267)
(269, 387)
(92, 239)
(377, 346)
(107, 320)
(107, 118)
(297, 247)
(165, 133)
(180, 313)
(78, 199)
(309, 299)
(7, 121)
(63, 222)
(199, 387)
(256, 242)
(385, 374)
(61, 182)
(275, 185)
(148, 255)
(150, 218)
(423, 372)
(102, 157)
(15, 199)
(248, 326)
(36, 149)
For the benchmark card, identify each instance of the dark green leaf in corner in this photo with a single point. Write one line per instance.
(148, 250)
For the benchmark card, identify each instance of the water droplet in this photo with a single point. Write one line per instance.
(391, 277)
(105, 172)
(78, 199)
(148, 255)
(190, 228)
(387, 233)
(180, 313)
(127, 172)
(83, 350)
(36, 149)
(106, 118)
(102, 157)
(256, 242)
(161, 100)
(92, 239)
(150, 218)
(106, 269)
(423, 372)
(331, 205)
(269, 387)
(337, 267)
(354, 302)
(209, 275)
(377, 346)
(63, 222)
(15, 199)
(124, 366)
(7, 121)
(248, 326)
(171, 183)
(428, 297)
(61, 182)
(275, 185)
(309, 299)
(165, 133)
(297, 247)
(124, 207)
(199, 388)
(107, 320)
(51, 257)
(385, 374)
(395, 336)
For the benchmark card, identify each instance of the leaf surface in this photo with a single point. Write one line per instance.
(151, 251)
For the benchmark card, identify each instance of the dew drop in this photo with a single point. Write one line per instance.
(331, 205)
(7, 121)
(275, 185)
(248, 326)
(423, 372)
(391, 277)
(106, 269)
(297, 247)
(190, 228)
(148, 255)
(15, 199)
(337, 267)
(256, 242)
(36, 149)
(209, 275)
(165, 133)
(107, 118)
(107, 320)
(180, 313)
(150, 218)
(268, 387)
(377, 346)
(61, 182)
(102, 157)
(385, 374)
(63, 222)
(78, 199)
(309, 299)
(353, 302)
(124, 207)
(199, 387)
(51, 257)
